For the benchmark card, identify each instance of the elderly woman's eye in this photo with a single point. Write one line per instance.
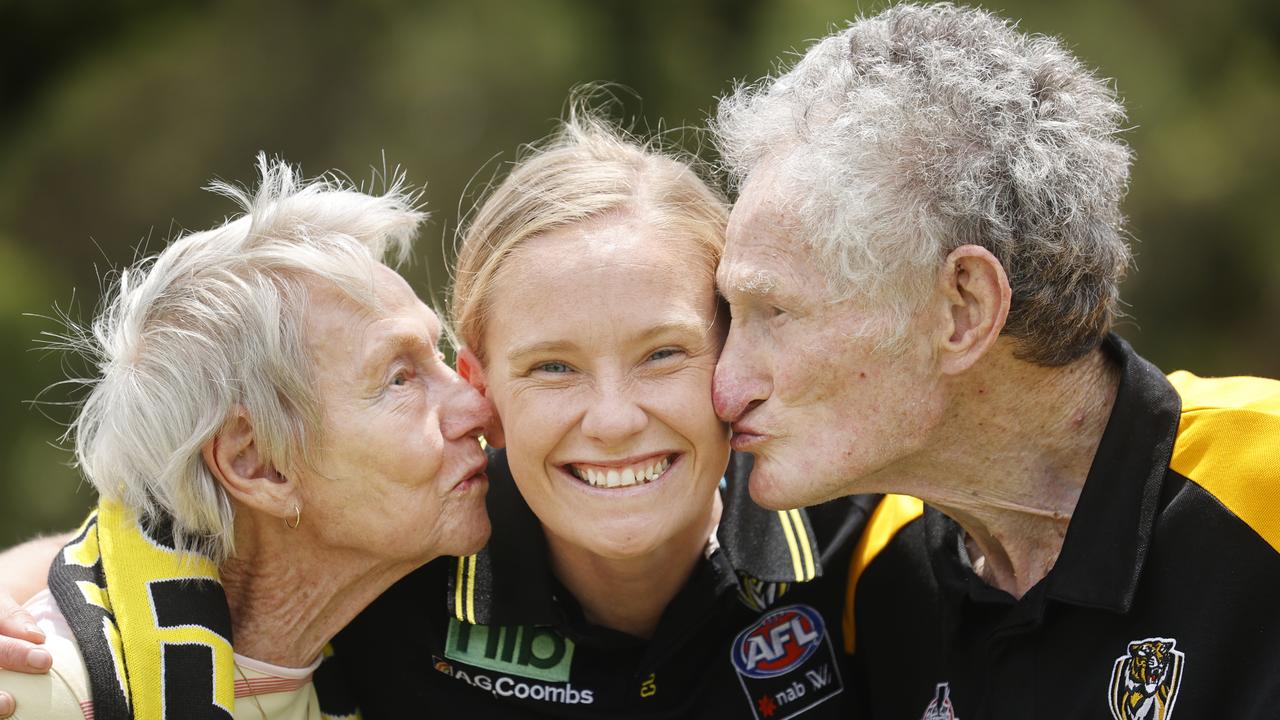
(552, 367)
(663, 354)
(401, 378)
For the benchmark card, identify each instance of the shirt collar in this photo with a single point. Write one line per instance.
(510, 580)
(1110, 531)
(766, 545)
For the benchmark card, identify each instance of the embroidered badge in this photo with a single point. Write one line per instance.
(785, 663)
(1144, 682)
(940, 707)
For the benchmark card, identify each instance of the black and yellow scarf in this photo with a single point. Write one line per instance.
(153, 624)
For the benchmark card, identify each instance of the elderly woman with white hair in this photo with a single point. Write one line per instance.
(275, 440)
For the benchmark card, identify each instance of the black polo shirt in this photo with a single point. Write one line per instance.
(754, 632)
(1164, 602)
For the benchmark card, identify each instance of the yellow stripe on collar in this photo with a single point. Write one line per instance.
(796, 562)
(464, 590)
(471, 590)
(802, 536)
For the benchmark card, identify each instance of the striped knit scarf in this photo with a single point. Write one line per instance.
(153, 625)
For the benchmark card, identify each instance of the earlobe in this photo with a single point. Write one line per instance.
(976, 291)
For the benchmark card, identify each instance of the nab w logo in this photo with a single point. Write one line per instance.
(523, 650)
(779, 642)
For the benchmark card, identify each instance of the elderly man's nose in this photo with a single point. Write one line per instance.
(735, 390)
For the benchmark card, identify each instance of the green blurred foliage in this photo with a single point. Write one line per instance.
(113, 114)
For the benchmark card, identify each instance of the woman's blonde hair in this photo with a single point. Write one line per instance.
(589, 169)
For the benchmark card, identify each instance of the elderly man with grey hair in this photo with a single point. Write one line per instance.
(922, 268)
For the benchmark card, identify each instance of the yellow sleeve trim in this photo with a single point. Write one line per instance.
(1229, 444)
(893, 512)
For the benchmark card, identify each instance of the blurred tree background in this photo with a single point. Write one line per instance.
(113, 114)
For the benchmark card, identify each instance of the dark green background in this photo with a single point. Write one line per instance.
(113, 114)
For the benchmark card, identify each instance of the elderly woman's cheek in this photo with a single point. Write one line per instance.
(415, 450)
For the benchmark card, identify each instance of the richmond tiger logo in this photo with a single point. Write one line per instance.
(1144, 682)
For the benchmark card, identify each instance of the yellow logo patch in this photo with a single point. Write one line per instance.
(1145, 680)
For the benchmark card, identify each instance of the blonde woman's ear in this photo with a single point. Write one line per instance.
(471, 370)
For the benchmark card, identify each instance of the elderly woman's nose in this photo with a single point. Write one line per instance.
(612, 416)
(464, 411)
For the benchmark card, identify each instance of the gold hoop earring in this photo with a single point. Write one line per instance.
(297, 518)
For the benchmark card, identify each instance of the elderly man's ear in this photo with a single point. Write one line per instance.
(471, 370)
(973, 302)
(233, 458)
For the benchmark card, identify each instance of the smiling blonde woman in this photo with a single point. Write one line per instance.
(629, 572)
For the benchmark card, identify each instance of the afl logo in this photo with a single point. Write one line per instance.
(779, 642)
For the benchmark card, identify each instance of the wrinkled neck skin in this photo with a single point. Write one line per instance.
(629, 594)
(1009, 458)
(289, 595)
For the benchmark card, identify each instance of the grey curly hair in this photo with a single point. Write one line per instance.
(928, 127)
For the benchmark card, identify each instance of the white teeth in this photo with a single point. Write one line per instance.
(625, 477)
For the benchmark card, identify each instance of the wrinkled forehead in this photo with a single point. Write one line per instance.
(340, 319)
(765, 246)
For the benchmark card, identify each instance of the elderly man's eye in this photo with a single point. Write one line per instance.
(664, 353)
(553, 367)
(401, 378)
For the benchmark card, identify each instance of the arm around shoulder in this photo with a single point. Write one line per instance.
(24, 568)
